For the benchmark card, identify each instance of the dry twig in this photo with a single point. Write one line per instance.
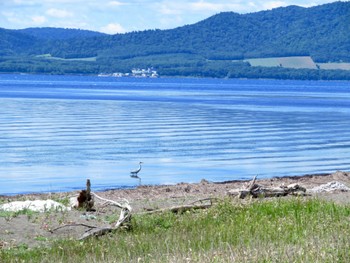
(125, 214)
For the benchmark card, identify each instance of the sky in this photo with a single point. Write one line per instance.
(121, 16)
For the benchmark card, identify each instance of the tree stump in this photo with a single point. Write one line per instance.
(85, 199)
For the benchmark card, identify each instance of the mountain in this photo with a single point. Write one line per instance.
(323, 32)
(12, 42)
(320, 32)
(50, 33)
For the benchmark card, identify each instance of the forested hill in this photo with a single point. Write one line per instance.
(50, 33)
(321, 32)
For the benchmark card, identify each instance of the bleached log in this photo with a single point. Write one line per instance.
(71, 225)
(125, 205)
(268, 192)
(179, 209)
(96, 232)
(295, 188)
(256, 190)
(125, 213)
(252, 184)
(201, 201)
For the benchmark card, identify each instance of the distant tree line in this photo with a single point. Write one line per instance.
(173, 68)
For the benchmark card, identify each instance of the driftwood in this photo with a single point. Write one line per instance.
(96, 232)
(255, 190)
(183, 208)
(124, 217)
(125, 214)
(70, 225)
(86, 200)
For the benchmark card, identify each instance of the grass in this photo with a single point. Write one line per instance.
(296, 62)
(282, 230)
(48, 56)
(343, 66)
(286, 62)
(8, 214)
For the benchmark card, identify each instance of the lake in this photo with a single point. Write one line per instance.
(57, 131)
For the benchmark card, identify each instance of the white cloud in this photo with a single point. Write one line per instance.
(210, 7)
(273, 4)
(12, 18)
(22, 2)
(116, 3)
(38, 20)
(170, 21)
(169, 9)
(58, 13)
(58, 2)
(207, 7)
(113, 28)
(173, 14)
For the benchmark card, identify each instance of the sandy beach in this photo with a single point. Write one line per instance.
(36, 229)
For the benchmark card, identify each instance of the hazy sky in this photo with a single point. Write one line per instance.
(121, 16)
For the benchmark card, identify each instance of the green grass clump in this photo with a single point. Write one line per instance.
(8, 215)
(282, 230)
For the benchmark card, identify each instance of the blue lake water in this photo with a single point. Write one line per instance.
(57, 131)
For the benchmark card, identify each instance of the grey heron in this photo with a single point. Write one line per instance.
(134, 173)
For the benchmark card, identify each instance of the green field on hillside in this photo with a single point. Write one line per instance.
(285, 62)
(48, 56)
(303, 62)
(343, 66)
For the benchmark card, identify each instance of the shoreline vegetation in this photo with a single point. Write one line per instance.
(220, 69)
(310, 228)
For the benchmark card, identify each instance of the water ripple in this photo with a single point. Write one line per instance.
(56, 131)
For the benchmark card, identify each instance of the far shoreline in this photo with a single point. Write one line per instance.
(172, 77)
